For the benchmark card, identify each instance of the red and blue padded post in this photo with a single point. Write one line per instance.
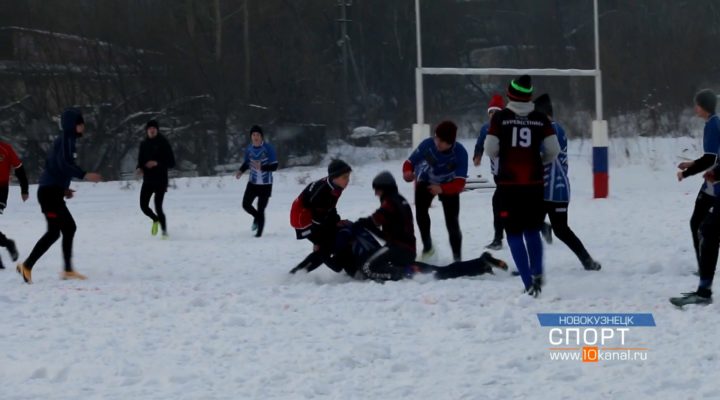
(600, 159)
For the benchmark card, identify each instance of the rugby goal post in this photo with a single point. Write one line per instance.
(421, 130)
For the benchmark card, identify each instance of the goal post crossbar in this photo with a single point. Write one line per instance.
(421, 130)
(509, 71)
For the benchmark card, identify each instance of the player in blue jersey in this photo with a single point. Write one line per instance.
(496, 104)
(439, 166)
(705, 220)
(154, 160)
(261, 160)
(557, 191)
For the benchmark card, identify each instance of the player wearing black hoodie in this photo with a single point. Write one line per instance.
(154, 160)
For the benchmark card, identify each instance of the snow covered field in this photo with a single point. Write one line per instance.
(213, 314)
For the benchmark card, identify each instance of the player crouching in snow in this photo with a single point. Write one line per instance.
(313, 213)
(358, 253)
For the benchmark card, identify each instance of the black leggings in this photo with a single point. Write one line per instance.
(457, 269)
(3, 197)
(59, 221)
(558, 213)
(497, 220)
(703, 204)
(262, 193)
(145, 193)
(451, 209)
(4, 241)
(709, 240)
(391, 263)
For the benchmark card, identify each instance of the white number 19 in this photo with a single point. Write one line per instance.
(525, 137)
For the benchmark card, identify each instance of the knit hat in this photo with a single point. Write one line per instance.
(258, 129)
(446, 131)
(152, 124)
(544, 105)
(520, 89)
(337, 168)
(496, 103)
(707, 100)
(384, 181)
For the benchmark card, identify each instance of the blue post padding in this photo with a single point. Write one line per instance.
(600, 159)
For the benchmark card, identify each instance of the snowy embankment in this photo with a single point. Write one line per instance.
(213, 314)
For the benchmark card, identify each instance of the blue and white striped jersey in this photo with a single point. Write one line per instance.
(259, 160)
(557, 183)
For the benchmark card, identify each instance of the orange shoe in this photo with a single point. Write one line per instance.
(67, 275)
(25, 272)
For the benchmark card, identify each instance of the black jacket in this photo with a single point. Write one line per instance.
(321, 197)
(159, 150)
(395, 220)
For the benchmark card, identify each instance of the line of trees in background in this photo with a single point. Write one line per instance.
(209, 69)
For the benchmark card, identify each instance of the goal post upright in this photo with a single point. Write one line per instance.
(600, 137)
(421, 130)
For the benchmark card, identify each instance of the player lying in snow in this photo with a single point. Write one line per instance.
(355, 248)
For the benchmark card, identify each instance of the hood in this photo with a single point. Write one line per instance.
(521, 108)
(69, 120)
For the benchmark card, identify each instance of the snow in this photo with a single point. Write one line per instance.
(213, 314)
(363, 132)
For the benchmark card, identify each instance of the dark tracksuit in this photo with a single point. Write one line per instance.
(9, 160)
(320, 197)
(447, 169)
(60, 169)
(705, 221)
(155, 180)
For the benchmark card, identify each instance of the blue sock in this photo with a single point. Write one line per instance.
(520, 256)
(705, 283)
(535, 250)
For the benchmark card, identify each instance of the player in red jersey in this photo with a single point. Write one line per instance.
(9, 160)
(523, 140)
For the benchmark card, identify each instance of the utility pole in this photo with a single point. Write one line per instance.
(246, 45)
(343, 42)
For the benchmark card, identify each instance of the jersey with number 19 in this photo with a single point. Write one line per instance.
(520, 140)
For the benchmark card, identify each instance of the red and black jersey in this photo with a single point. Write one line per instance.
(321, 197)
(395, 219)
(9, 160)
(520, 140)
